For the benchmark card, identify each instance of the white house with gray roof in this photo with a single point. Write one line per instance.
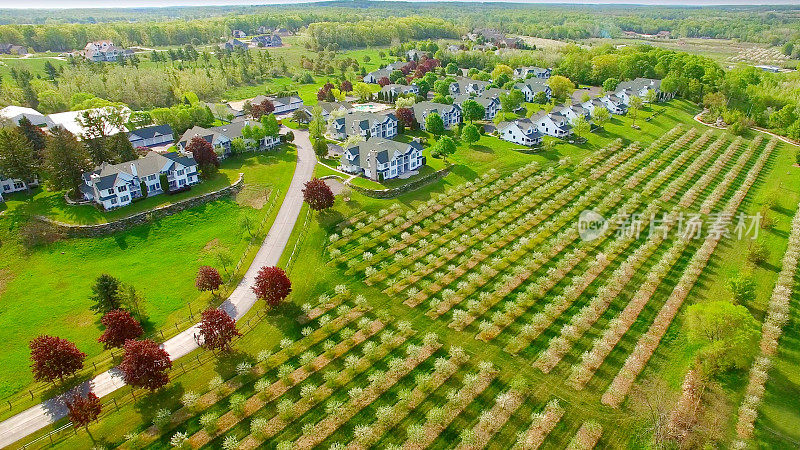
(532, 71)
(117, 185)
(391, 91)
(9, 185)
(468, 86)
(364, 124)
(382, 159)
(375, 75)
(153, 136)
(15, 113)
(614, 104)
(451, 114)
(286, 104)
(327, 109)
(572, 112)
(552, 124)
(639, 87)
(520, 131)
(532, 86)
(491, 104)
(222, 136)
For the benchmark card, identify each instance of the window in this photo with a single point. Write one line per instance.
(19, 185)
(113, 201)
(124, 199)
(180, 172)
(122, 188)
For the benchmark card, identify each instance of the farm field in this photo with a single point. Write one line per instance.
(160, 260)
(534, 326)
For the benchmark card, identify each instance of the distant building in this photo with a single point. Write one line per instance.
(152, 136)
(287, 104)
(117, 185)
(382, 159)
(639, 87)
(104, 51)
(552, 124)
(268, 40)
(374, 76)
(69, 121)
(15, 113)
(9, 185)
(464, 85)
(765, 68)
(239, 34)
(572, 112)
(532, 71)
(391, 91)
(520, 131)
(264, 30)
(233, 44)
(414, 55)
(451, 114)
(327, 108)
(222, 136)
(11, 49)
(490, 103)
(614, 104)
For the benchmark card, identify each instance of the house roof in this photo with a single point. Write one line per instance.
(463, 83)
(534, 84)
(287, 100)
(15, 113)
(105, 175)
(151, 131)
(527, 126)
(422, 109)
(378, 149)
(69, 121)
(639, 84)
(362, 120)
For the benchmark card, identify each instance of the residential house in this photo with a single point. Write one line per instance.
(520, 131)
(285, 105)
(104, 51)
(222, 136)
(9, 185)
(263, 30)
(531, 86)
(12, 49)
(152, 136)
(513, 42)
(464, 85)
(374, 76)
(233, 44)
(592, 105)
(116, 185)
(225, 112)
(15, 113)
(267, 40)
(490, 103)
(532, 71)
(572, 112)
(453, 48)
(283, 32)
(382, 159)
(414, 54)
(391, 91)
(327, 108)
(451, 114)
(552, 124)
(639, 87)
(365, 124)
(614, 104)
(239, 34)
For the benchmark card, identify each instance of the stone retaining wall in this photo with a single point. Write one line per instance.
(101, 229)
(394, 192)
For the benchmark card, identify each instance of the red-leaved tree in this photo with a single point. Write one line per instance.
(272, 285)
(406, 117)
(120, 326)
(262, 109)
(84, 410)
(383, 81)
(346, 86)
(324, 93)
(145, 364)
(54, 358)
(203, 152)
(208, 279)
(318, 194)
(217, 330)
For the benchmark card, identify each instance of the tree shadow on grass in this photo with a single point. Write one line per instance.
(226, 362)
(147, 402)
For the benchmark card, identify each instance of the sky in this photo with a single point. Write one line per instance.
(32, 4)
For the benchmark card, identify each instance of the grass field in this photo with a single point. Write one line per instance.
(158, 259)
(517, 374)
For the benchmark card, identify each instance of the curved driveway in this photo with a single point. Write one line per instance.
(239, 302)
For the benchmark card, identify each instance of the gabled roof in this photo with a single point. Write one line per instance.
(639, 84)
(464, 83)
(105, 175)
(151, 131)
(534, 84)
(527, 126)
(422, 109)
(378, 149)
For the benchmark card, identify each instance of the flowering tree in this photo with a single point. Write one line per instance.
(84, 410)
(217, 329)
(318, 194)
(383, 81)
(208, 279)
(145, 364)
(120, 326)
(53, 357)
(272, 285)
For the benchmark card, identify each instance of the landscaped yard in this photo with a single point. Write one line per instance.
(494, 266)
(46, 290)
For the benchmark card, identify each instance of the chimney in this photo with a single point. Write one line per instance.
(134, 172)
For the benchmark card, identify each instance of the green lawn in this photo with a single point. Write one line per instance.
(47, 289)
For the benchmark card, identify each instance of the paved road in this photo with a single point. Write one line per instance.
(239, 302)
